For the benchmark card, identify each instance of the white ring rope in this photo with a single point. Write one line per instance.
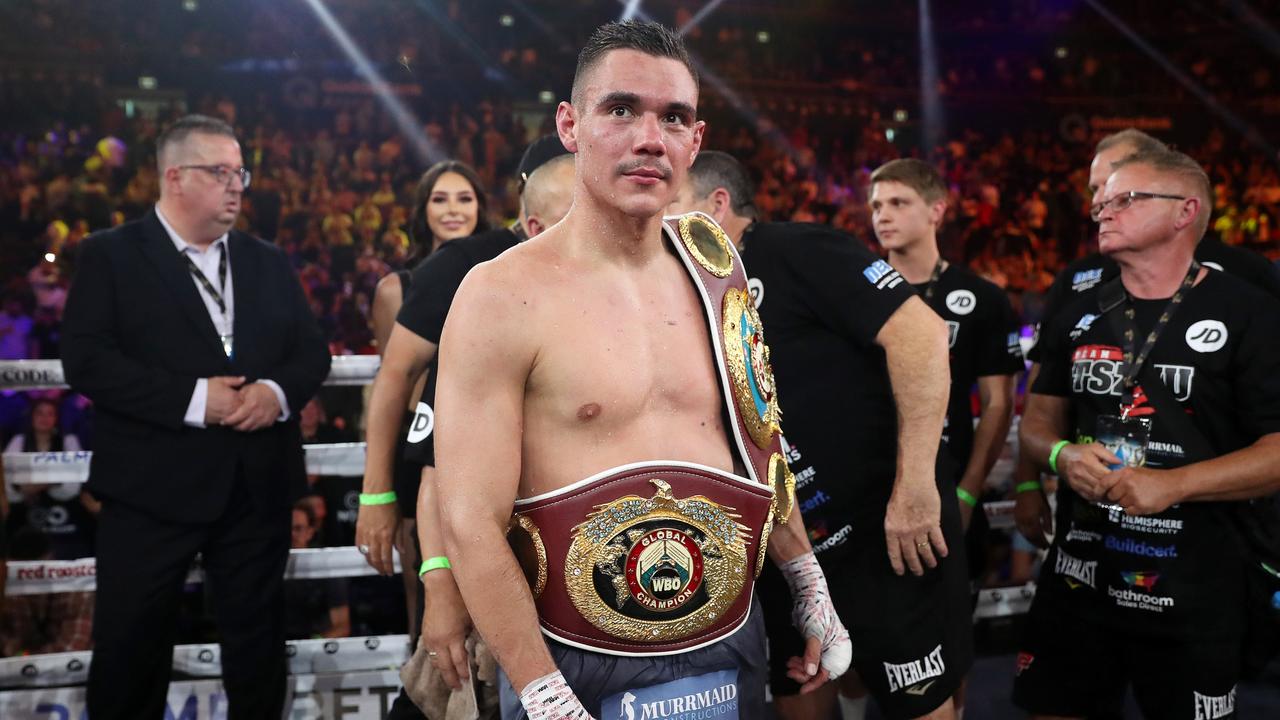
(340, 459)
(47, 374)
(342, 655)
(39, 577)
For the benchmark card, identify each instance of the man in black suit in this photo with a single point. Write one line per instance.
(197, 347)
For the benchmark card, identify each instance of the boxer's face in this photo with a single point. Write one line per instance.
(635, 131)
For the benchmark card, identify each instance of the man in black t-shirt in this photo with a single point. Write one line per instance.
(1145, 582)
(853, 350)
(908, 202)
(1085, 275)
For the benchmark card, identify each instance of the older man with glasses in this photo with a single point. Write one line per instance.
(197, 348)
(1158, 403)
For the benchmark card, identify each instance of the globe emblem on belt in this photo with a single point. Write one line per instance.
(664, 569)
(750, 372)
(656, 569)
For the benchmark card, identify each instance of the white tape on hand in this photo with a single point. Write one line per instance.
(550, 698)
(814, 615)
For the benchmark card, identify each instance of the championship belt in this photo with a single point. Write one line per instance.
(660, 558)
(737, 336)
(645, 559)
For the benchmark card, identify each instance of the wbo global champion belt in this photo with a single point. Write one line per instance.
(657, 568)
(661, 559)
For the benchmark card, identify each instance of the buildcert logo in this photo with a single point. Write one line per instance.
(1140, 548)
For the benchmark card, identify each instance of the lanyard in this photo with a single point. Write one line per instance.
(1133, 362)
(214, 292)
(204, 281)
(933, 280)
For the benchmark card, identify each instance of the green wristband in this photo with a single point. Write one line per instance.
(434, 563)
(966, 497)
(1053, 454)
(384, 498)
(1027, 486)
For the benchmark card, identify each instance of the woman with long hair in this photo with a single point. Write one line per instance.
(449, 203)
(64, 512)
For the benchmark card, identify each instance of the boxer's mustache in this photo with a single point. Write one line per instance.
(634, 165)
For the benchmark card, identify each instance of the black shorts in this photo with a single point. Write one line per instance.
(729, 674)
(1075, 667)
(912, 636)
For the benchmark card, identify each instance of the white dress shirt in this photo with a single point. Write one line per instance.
(206, 261)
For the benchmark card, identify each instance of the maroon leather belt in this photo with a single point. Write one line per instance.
(645, 559)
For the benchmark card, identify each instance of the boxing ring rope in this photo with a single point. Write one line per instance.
(306, 657)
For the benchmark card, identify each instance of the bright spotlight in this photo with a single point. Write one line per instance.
(762, 37)
(889, 134)
(546, 97)
(1060, 53)
(146, 82)
(900, 115)
(506, 20)
(50, 257)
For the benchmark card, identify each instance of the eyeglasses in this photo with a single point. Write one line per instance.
(222, 173)
(1121, 202)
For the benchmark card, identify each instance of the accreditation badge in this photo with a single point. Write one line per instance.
(657, 569)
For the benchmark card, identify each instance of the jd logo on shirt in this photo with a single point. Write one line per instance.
(424, 421)
(961, 302)
(756, 288)
(714, 695)
(1207, 336)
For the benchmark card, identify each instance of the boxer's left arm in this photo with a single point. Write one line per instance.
(827, 651)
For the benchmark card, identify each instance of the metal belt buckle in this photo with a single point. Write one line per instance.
(657, 569)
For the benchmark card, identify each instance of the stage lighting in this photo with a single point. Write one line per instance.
(1060, 53)
(762, 36)
(191, 5)
(889, 134)
(506, 20)
(50, 257)
(147, 82)
(899, 115)
(546, 97)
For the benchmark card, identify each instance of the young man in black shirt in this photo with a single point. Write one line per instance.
(908, 202)
(1145, 582)
(860, 365)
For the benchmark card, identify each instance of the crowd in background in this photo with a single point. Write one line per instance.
(333, 173)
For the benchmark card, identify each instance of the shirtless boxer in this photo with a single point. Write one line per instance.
(587, 349)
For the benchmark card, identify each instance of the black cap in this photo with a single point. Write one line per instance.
(545, 148)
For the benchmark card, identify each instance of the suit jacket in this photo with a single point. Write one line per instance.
(137, 336)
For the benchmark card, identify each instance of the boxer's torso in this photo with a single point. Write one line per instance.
(622, 367)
